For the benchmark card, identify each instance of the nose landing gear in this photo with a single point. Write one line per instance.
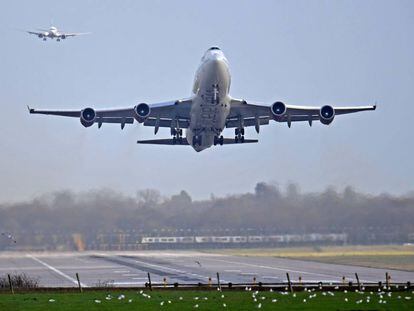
(197, 140)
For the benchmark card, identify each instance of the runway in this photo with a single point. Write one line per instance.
(131, 268)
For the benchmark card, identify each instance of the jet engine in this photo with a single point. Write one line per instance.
(40, 35)
(87, 117)
(278, 109)
(142, 112)
(63, 37)
(326, 114)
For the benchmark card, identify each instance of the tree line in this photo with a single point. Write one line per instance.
(267, 209)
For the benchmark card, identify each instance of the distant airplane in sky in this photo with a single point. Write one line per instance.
(9, 236)
(54, 33)
(207, 112)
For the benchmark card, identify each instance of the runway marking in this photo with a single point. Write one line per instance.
(56, 270)
(235, 271)
(248, 273)
(120, 271)
(176, 270)
(139, 278)
(268, 267)
(66, 267)
(127, 283)
(130, 274)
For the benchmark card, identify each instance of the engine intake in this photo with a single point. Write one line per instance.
(63, 37)
(87, 117)
(326, 114)
(142, 112)
(278, 109)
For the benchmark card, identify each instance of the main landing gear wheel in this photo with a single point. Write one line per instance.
(176, 132)
(239, 138)
(177, 136)
(239, 132)
(218, 140)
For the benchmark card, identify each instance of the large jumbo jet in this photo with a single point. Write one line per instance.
(54, 33)
(207, 112)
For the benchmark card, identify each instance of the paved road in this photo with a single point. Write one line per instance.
(130, 268)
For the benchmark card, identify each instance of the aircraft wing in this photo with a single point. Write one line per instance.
(73, 34)
(35, 33)
(243, 113)
(165, 114)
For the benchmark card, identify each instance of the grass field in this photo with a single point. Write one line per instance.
(207, 300)
(379, 256)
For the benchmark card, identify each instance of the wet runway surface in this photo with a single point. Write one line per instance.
(131, 268)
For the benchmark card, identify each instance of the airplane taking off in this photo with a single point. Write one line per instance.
(207, 112)
(54, 33)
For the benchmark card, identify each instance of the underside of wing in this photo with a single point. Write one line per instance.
(245, 114)
(34, 33)
(73, 34)
(167, 114)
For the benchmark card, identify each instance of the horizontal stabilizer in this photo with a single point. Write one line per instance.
(183, 142)
(167, 141)
(230, 141)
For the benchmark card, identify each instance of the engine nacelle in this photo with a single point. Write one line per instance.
(87, 117)
(326, 114)
(142, 112)
(278, 109)
(40, 35)
(63, 37)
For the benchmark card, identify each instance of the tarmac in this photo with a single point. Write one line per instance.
(130, 268)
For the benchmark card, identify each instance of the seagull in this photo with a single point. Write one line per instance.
(198, 263)
(9, 236)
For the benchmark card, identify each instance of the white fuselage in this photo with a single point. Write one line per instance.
(211, 102)
(52, 33)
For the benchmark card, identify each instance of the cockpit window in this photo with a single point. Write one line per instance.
(214, 48)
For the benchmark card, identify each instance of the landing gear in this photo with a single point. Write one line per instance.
(44, 39)
(239, 139)
(177, 136)
(197, 140)
(239, 131)
(176, 132)
(58, 40)
(218, 140)
(239, 135)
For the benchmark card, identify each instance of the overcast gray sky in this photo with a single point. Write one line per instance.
(300, 52)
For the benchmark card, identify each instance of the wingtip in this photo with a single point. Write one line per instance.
(31, 110)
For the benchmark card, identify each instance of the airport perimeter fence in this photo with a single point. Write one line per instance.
(23, 283)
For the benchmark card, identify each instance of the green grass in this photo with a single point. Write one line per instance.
(397, 262)
(234, 300)
(398, 257)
